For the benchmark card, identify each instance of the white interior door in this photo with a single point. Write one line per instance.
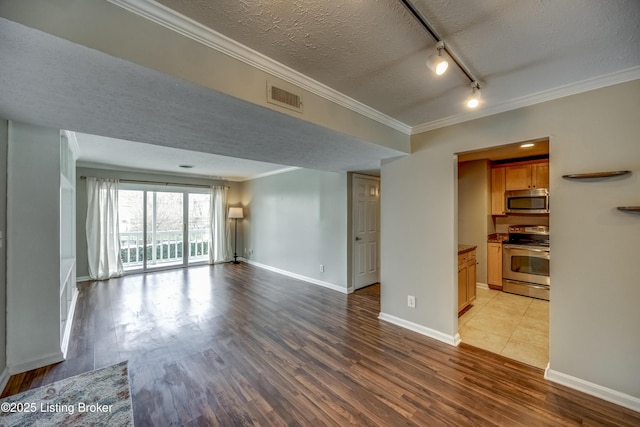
(366, 230)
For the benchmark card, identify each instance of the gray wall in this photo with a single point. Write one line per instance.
(297, 221)
(474, 210)
(82, 265)
(595, 285)
(4, 142)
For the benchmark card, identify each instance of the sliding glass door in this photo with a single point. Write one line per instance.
(198, 229)
(163, 227)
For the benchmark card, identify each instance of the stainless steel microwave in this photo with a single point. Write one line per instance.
(527, 201)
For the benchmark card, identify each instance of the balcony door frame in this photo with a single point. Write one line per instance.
(185, 191)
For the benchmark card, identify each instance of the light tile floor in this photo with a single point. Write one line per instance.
(514, 326)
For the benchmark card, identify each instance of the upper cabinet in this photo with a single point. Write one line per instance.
(527, 176)
(497, 191)
(516, 176)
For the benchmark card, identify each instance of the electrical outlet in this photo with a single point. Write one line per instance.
(321, 268)
(411, 301)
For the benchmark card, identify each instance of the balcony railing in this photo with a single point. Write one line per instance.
(162, 248)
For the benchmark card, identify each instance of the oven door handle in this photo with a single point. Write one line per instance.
(526, 248)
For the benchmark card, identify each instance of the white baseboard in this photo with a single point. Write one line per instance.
(431, 333)
(592, 389)
(300, 277)
(67, 327)
(82, 279)
(480, 285)
(48, 359)
(4, 378)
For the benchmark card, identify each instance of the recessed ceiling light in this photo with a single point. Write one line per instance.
(185, 166)
(527, 145)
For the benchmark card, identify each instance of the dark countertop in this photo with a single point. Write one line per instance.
(497, 237)
(465, 248)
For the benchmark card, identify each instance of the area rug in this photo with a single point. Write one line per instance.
(98, 398)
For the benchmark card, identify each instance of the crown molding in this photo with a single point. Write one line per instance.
(187, 27)
(548, 95)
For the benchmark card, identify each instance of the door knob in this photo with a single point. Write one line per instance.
(358, 238)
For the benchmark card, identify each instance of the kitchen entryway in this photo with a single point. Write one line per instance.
(495, 188)
(511, 325)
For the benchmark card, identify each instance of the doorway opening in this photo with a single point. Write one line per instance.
(162, 227)
(489, 317)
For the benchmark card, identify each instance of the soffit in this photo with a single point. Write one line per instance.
(52, 82)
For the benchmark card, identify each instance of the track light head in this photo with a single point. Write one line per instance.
(437, 63)
(474, 100)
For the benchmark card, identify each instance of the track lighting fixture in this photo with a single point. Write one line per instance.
(437, 63)
(474, 100)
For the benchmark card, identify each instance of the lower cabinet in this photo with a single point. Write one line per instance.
(466, 279)
(494, 265)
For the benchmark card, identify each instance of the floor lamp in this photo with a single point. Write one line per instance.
(235, 213)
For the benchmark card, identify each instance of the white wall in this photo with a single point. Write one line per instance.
(4, 142)
(296, 221)
(33, 247)
(474, 210)
(82, 264)
(595, 273)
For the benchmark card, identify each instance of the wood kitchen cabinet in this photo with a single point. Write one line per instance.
(497, 191)
(527, 176)
(466, 279)
(516, 176)
(494, 265)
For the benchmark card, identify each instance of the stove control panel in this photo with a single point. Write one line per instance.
(529, 229)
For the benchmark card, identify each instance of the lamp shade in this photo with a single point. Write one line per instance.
(235, 213)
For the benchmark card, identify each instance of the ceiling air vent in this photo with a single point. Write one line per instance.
(284, 98)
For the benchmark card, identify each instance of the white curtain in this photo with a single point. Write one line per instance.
(219, 232)
(103, 236)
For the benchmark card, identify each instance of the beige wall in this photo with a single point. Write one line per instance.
(474, 210)
(595, 285)
(298, 220)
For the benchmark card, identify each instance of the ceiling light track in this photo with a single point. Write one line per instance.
(434, 34)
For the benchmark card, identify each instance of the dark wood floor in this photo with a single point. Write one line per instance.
(237, 345)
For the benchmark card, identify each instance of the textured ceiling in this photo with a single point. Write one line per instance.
(103, 152)
(375, 51)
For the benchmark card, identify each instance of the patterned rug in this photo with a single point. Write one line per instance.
(98, 398)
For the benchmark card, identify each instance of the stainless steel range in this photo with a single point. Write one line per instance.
(525, 261)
